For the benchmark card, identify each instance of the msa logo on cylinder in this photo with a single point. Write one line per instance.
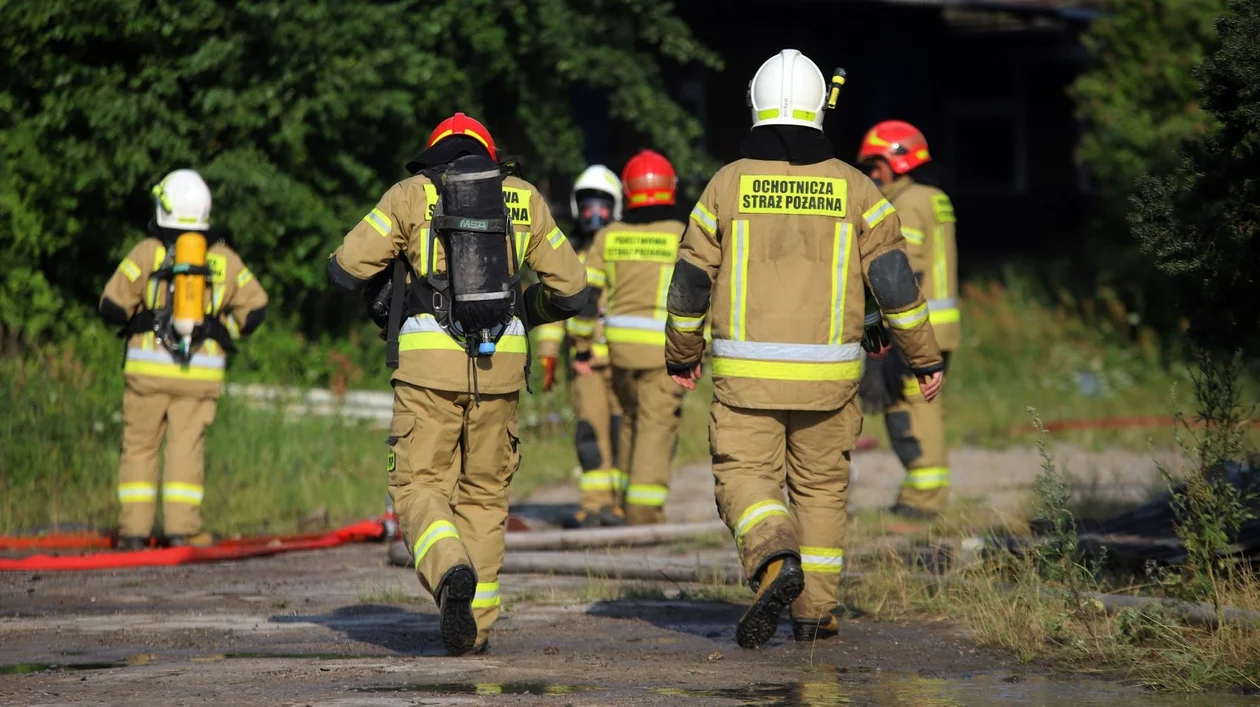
(471, 224)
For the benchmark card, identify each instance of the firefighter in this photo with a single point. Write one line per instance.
(455, 335)
(776, 254)
(895, 155)
(594, 202)
(633, 261)
(173, 379)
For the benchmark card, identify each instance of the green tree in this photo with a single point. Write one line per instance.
(298, 113)
(1201, 226)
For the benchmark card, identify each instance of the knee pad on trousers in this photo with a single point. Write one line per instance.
(905, 445)
(614, 431)
(587, 446)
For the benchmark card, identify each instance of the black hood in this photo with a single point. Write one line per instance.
(795, 144)
(651, 214)
(446, 152)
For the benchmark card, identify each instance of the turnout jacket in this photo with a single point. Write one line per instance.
(550, 337)
(927, 222)
(428, 356)
(775, 256)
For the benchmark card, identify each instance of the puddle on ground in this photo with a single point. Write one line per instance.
(987, 690)
(22, 668)
(507, 688)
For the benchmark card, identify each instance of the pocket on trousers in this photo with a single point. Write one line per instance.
(398, 460)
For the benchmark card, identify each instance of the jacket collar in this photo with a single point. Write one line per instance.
(795, 144)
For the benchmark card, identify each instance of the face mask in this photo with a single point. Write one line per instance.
(594, 213)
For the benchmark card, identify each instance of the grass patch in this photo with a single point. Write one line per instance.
(389, 594)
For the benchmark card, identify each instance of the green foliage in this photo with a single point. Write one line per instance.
(299, 115)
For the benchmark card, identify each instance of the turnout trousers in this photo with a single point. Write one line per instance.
(603, 483)
(756, 453)
(916, 429)
(450, 463)
(183, 420)
(651, 404)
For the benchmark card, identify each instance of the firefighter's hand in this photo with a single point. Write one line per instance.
(930, 385)
(687, 379)
(582, 368)
(549, 373)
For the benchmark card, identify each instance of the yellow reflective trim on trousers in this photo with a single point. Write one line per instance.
(704, 218)
(617, 335)
(166, 370)
(596, 278)
(823, 560)
(177, 492)
(908, 319)
(787, 370)
(441, 341)
(602, 480)
(487, 596)
(840, 252)
(599, 351)
(739, 276)
(681, 323)
(877, 213)
(379, 221)
(927, 478)
(137, 492)
(128, 268)
(945, 316)
(912, 235)
(940, 266)
(653, 495)
(754, 514)
(438, 530)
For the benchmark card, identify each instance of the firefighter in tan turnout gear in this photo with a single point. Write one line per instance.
(594, 203)
(181, 296)
(632, 261)
(775, 255)
(895, 154)
(444, 249)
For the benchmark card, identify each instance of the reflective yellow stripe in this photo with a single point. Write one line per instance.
(603, 480)
(839, 281)
(913, 235)
(940, 267)
(787, 371)
(441, 341)
(176, 492)
(487, 596)
(169, 370)
(681, 323)
(618, 335)
(438, 530)
(599, 351)
(137, 492)
(550, 332)
(522, 246)
(767, 113)
(910, 387)
(128, 268)
(379, 221)
(580, 327)
(596, 278)
(653, 495)
(877, 213)
(243, 277)
(754, 514)
(739, 259)
(804, 114)
(662, 292)
(823, 560)
(704, 218)
(908, 319)
(944, 316)
(556, 238)
(927, 478)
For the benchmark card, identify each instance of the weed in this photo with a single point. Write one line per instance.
(388, 594)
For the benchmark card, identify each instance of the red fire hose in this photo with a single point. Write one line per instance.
(363, 531)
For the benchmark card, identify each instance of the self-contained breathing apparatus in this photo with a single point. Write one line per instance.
(178, 321)
(477, 297)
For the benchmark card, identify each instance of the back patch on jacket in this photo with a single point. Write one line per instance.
(777, 194)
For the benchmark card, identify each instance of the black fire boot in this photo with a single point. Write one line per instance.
(455, 617)
(815, 629)
(132, 543)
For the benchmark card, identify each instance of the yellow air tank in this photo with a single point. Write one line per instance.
(188, 308)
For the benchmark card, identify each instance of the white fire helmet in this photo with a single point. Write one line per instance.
(182, 201)
(788, 90)
(597, 177)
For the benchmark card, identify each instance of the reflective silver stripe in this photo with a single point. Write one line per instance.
(164, 356)
(422, 323)
(701, 215)
(471, 176)
(626, 321)
(939, 304)
(768, 351)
